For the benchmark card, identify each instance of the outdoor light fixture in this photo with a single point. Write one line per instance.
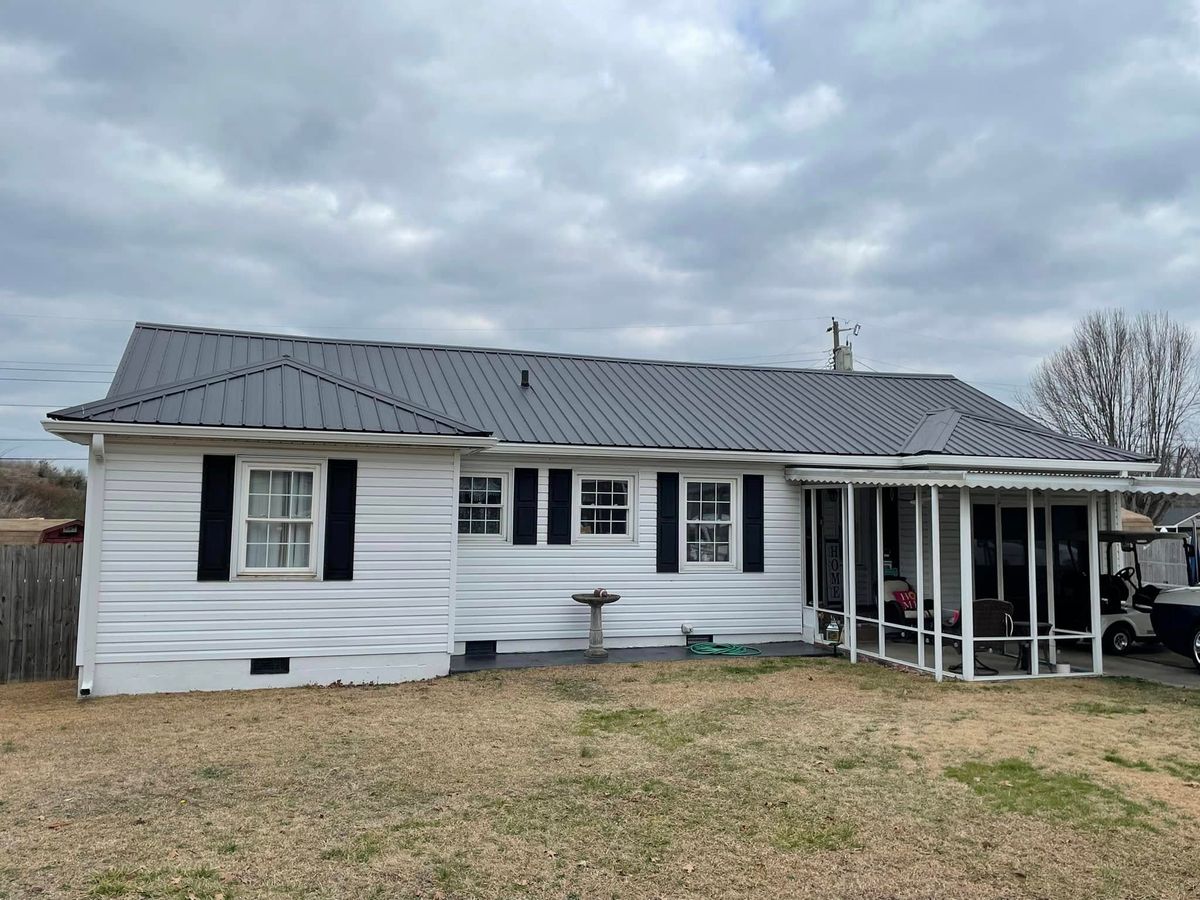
(833, 631)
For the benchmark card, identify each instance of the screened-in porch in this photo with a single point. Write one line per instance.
(962, 574)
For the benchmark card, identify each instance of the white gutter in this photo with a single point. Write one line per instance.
(80, 433)
(89, 581)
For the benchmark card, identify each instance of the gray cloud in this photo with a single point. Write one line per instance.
(964, 178)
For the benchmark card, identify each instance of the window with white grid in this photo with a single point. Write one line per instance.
(709, 512)
(481, 505)
(605, 506)
(277, 533)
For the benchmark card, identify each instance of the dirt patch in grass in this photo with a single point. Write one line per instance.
(738, 778)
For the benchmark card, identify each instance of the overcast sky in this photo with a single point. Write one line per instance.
(701, 181)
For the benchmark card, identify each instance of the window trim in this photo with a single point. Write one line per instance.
(577, 535)
(505, 507)
(316, 551)
(735, 524)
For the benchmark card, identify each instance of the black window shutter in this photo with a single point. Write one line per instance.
(752, 523)
(525, 488)
(216, 519)
(559, 507)
(668, 522)
(341, 499)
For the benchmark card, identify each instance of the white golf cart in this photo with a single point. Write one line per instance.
(1122, 623)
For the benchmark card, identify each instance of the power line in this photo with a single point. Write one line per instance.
(338, 327)
(38, 362)
(58, 369)
(58, 380)
(43, 459)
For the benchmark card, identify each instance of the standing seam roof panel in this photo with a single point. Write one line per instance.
(586, 400)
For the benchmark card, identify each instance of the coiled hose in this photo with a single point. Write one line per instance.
(705, 648)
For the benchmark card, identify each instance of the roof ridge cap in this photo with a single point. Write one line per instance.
(550, 354)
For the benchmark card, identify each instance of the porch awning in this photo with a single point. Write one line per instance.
(1017, 481)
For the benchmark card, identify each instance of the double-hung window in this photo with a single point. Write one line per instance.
(605, 507)
(709, 512)
(279, 504)
(481, 505)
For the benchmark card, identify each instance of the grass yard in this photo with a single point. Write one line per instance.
(754, 778)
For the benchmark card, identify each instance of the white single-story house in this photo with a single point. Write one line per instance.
(269, 510)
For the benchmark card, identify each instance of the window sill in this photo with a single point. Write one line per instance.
(276, 576)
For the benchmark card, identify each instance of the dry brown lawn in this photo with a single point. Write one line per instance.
(756, 778)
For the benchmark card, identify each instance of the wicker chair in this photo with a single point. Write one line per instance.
(994, 620)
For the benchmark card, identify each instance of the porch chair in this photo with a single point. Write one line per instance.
(994, 620)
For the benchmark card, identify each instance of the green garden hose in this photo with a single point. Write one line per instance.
(704, 648)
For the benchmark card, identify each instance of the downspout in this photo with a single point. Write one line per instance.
(89, 582)
(452, 601)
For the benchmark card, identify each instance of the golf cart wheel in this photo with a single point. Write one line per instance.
(1118, 639)
(1196, 648)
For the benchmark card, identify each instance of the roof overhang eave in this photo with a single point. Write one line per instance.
(81, 432)
(1036, 481)
(949, 462)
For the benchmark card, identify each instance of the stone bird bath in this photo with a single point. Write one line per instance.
(596, 600)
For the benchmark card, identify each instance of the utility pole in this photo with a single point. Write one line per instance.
(843, 354)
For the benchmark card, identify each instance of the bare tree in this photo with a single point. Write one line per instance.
(1130, 382)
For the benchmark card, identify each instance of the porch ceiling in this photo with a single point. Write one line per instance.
(1130, 484)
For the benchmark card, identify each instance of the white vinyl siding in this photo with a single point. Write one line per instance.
(152, 608)
(523, 593)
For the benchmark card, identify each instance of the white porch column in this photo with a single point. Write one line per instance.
(802, 548)
(814, 582)
(1094, 584)
(1031, 539)
(999, 550)
(879, 564)
(920, 557)
(849, 574)
(1051, 565)
(935, 557)
(966, 582)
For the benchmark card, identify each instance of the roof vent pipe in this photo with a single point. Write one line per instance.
(524, 378)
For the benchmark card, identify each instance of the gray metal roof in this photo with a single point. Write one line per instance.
(600, 401)
(962, 434)
(278, 393)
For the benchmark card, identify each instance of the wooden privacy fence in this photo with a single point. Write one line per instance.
(39, 610)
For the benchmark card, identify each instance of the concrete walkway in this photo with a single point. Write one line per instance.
(1152, 662)
(1155, 663)
(460, 664)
